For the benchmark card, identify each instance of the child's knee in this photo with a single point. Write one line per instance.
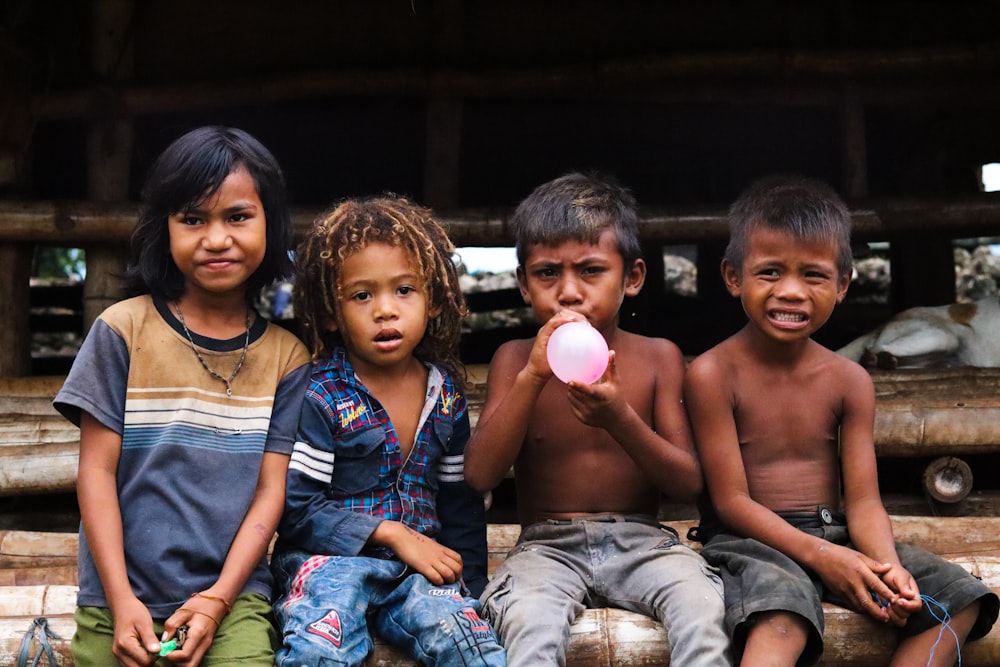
(779, 626)
(468, 640)
(298, 650)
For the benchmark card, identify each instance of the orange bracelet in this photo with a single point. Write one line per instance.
(214, 598)
(201, 613)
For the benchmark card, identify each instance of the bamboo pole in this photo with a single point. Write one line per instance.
(82, 222)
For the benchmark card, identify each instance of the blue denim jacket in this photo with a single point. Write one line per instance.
(347, 474)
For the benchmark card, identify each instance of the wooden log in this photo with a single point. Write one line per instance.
(945, 412)
(39, 448)
(23, 548)
(979, 503)
(29, 395)
(952, 537)
(69, 223)
(948, 479)
(944, 384)
(31, 601)
(933, 429)
(38, 576)
(35, 469)
(598, 638)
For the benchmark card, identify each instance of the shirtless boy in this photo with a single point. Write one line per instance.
(590, 461)
(784, 432)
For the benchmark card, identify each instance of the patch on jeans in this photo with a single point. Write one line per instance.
(667, 543)
(444, 593)
(328, 628)
(473, 626)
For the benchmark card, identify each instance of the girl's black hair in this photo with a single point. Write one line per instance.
(188, 172)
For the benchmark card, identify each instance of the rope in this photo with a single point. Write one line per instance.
(39, 631)
(945, 621)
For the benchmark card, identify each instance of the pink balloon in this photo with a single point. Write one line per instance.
(577, 351)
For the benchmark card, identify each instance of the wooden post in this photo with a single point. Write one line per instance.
(444, 140)
(444, 114)
(15, 334)
(16, 125)
(109, 152)
(853, 144)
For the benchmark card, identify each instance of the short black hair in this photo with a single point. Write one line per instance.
(188, 172)
(578, 207)
(805, 208)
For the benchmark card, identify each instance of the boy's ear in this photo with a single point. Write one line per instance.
(522, 285)
(731, 277)
(635, 277)
(845, 282)
(433, 311)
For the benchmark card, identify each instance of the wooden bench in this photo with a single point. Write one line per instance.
(947, 412)
(599, 637)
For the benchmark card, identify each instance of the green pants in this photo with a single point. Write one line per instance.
(247, 636)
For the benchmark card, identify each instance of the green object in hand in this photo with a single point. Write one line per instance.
(167, 647)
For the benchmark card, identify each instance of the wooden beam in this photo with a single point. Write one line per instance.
(83, 222)
(881, 74)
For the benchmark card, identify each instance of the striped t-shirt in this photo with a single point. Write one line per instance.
(190, 455)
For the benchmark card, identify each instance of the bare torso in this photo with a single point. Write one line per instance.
(566, 469)
(788, 423)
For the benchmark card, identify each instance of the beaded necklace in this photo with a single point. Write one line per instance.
(243, 357)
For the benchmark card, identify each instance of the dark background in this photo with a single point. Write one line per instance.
(467, 106)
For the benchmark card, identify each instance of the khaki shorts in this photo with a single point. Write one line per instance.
(247, 636)
(757, 578)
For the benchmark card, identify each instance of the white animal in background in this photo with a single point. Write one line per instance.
(960, 334)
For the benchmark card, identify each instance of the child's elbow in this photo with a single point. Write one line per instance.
(477, 481)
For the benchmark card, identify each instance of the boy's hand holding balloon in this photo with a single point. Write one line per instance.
(577, 351)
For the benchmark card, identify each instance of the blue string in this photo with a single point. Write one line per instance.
(945, 621)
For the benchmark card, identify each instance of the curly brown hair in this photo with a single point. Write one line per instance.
(354, 224)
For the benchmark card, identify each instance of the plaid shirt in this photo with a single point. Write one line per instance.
(347, 473)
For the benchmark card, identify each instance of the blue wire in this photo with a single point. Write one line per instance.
(945, 622)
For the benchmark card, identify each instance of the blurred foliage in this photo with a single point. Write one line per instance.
(59, 263)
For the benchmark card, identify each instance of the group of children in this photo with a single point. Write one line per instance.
(206, 429)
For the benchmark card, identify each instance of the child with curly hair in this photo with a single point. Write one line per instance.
(379, 524)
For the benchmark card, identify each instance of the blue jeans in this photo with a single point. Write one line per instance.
(329, 602)
(559, 568)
